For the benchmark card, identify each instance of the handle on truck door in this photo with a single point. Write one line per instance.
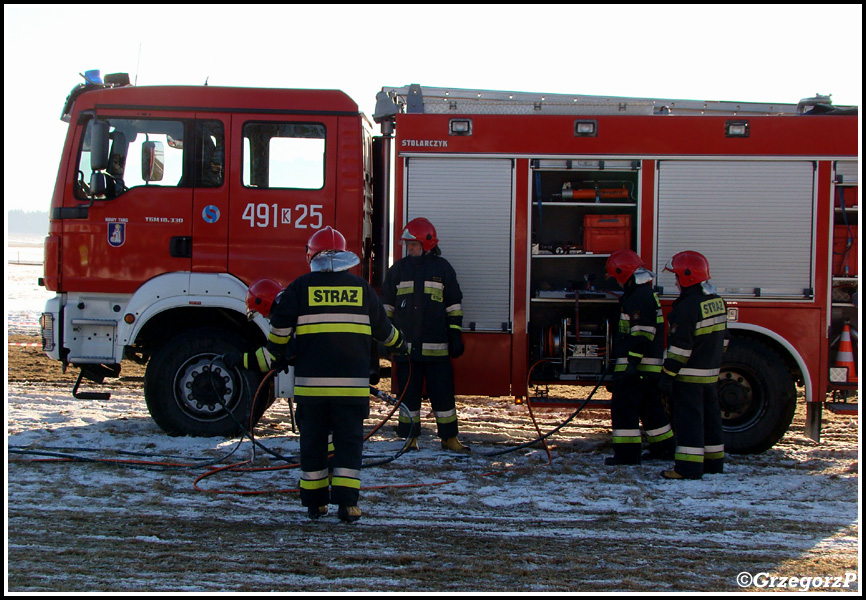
(180, 247)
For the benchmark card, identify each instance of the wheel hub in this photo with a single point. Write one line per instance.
(735, 395)
(205, 388)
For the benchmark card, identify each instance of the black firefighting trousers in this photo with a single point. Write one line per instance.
(636, 400)
(439, 377)
(698, 423)
(337, 481)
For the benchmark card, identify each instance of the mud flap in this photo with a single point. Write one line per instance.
(814, 412)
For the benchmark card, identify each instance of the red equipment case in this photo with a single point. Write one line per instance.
(606, 233)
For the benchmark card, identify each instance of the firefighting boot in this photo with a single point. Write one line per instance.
(714, 467)
(626, 450)
(349, 514)
(412, 444)
(661, 450)
(314, 512)
(454, 445)
(672, 474)
(657, 455)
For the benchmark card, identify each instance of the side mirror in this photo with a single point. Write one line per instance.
(152, 161)
(97, 185)
(99, 134)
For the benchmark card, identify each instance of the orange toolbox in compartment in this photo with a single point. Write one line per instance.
(606, 233)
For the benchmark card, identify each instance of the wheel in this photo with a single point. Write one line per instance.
(757, 397)
(187, 388)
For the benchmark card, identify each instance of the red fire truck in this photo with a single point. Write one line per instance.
(170, 201)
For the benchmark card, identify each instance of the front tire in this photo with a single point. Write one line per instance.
(189, 391)
(757, 397)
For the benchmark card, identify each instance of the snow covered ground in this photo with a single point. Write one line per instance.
(535, 520)
(24, 300)
(433, 521)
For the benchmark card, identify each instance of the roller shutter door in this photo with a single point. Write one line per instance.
(846, 171)
(469, 202)
(753, 220)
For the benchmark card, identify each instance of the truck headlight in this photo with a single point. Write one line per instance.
(46, 324)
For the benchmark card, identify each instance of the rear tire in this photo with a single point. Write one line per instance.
(187, 388)
(757, 397)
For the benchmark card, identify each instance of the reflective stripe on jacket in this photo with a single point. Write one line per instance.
(639, 337)
(697, 336)
(423, 298)
(332, 318)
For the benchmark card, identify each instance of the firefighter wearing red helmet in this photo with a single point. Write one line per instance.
(422, 231)
(697, 337)
(261, 295)
(422, 296)
(331, 317)
(638, 345)
(326, 240)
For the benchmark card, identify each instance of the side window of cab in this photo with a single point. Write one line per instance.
(118, 154)
(284, 155)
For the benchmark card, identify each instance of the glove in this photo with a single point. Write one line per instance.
(233, 359)
(631, 373)
(666, 385)
(281, 364)
(455, 343)
(400, 348)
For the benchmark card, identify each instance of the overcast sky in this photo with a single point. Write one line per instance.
(761, 53)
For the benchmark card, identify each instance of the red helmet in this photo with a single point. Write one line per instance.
(420, 230)
(622, 264)
(261, 296)
(690, 268)
(324, 240)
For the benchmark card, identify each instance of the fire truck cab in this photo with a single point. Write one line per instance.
(169, 202)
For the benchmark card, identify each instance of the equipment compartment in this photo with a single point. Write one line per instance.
(581, 211)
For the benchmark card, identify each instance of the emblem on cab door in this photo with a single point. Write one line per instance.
(116, 234)
(211, 214)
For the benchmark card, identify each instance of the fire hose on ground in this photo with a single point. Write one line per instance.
(75, 454)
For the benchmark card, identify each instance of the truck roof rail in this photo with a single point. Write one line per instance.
(415, 99)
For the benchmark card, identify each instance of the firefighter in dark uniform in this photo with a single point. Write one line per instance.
(261, 296)
(638, 345)
(422, 296)
(331, 318)
(697, 337)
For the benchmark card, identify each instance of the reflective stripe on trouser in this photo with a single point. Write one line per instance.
(655, 419)
(698, 423)
(319, 484)
(661, 439)
(439, 379)
(405, 423)
(636, 401)
(714, 458)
